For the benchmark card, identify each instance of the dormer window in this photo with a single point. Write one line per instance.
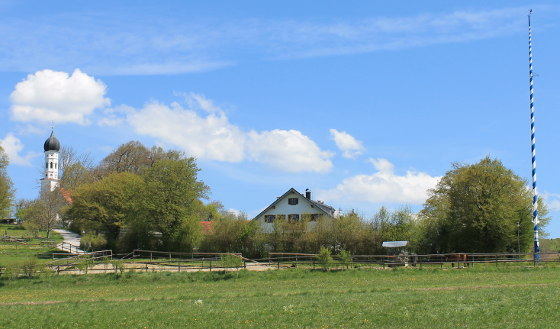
(293, 201)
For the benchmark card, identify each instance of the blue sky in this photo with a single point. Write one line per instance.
(366, 103)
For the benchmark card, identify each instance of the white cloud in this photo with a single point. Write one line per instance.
(288, 150)
(51, 96)
(212, 136)
(13, 147)
(350, 146)
(552, 201)
(383, 186)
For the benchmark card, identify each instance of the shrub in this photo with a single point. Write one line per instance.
(345, 258)
(29, 268)
(231, 260)
(93, 242)
(325, 258)
(118, 265)
(85, 264)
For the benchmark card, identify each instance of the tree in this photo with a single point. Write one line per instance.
(482, 207)
(398, 225)
(6, 187)
(105, 206)
(75, 169)
(232, 233)
(172, 202)
(42, 214)
(134, 157)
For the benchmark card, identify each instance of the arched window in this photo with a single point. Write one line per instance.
(51, 165)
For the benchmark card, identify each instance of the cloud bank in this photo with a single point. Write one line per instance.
(383, 186)
(203, 130)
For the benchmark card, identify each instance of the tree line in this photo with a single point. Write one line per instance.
(150, 198)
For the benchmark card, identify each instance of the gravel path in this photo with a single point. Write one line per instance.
(69, 238)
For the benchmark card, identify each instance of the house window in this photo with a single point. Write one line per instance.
(293, 216)
(314, 217)
(269, 218)
(293, 201)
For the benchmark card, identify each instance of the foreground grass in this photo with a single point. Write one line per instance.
(486, 297)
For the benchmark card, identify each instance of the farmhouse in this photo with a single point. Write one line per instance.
(295, 206)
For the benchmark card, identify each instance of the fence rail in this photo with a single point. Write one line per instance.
(156, 261)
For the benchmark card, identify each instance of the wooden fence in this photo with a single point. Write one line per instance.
(156, 261)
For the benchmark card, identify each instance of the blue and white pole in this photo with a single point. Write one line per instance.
(536, 247)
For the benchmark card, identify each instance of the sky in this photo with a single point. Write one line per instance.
(366, 103)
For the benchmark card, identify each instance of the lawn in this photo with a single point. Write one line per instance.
(483, 297)
(13, 253)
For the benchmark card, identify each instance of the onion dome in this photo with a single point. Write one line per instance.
(52, 143)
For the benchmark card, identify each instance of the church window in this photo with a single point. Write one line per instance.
(293, 201)
(51, 165)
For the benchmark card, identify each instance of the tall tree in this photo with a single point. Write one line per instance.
(6, 187)
(134, 157)
(482, 207)
(75, 169)
(172, 201)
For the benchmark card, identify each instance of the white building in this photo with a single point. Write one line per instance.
(295, 206)
(50, 181)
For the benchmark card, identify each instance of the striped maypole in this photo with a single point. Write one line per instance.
(536, 248)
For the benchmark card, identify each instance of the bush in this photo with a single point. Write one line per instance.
(29, 268)
(345, 258)
(93, 242)
(118, 265)
(230, 260)
(325, 258)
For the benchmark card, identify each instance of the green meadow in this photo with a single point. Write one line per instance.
(480, 297)
(36, 250)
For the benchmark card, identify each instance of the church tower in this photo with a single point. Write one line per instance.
(50, 182)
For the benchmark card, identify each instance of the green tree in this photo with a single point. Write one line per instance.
(398, 225)
(172, 202)
(482, 207)
(6, 187)
(41, 214)
(105, 206)
(134, 157)
(231, 233)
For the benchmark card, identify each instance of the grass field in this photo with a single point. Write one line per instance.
(12, 253)
(484, 297)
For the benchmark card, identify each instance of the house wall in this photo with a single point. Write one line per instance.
(283, 208)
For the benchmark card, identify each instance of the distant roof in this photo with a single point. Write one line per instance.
(328, 210)
(207, 226)
(66, 195)
(52, 143)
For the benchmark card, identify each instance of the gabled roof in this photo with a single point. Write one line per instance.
(328, 210)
